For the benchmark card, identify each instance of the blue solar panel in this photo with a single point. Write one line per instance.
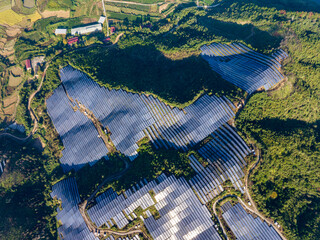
(245, 226)
(73, 226)
(78, 134)
(225, 154)
(243, 67)
(129, 117)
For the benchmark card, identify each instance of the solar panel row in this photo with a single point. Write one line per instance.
(179, 130)
(136, 237)
(129, 117)
(2, 165)
(225, 154)
(73, 225)
(78, 134)
(243, 67)
(182, 214)
(245, 226)
(112, 208)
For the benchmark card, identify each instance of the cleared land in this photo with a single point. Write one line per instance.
(59, 13)
(10, 100)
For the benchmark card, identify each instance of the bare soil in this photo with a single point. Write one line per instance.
(13, 31)
(9, 111)
(14, 81)
(16, 71)
(60, 13)
(9, 100)
(88, 20)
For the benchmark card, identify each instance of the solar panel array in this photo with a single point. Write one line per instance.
(174, 128)
(181, 214)
(2, 165)
(130, 116)
(245, 226)
(78, 134)
(136, 237)
(110, 207)
(244, 67)
(73, 225)
(225, 154)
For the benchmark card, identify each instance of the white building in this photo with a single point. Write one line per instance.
(102, 19)
(86, 29)
(60, 31)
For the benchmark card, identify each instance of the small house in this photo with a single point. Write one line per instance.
(28, 64)
(73, 40)
(102, 19)
(107, 39)
(60, 31)
(112, 29)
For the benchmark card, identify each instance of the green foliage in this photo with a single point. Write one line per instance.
(88, 178)
(145, 69)
(59, 4)
(25, 210)
(284, 123)
(23, 116)
(150, 163)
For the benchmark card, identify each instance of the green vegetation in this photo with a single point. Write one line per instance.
(150, 163)
(59, 4)
(23, 116)
(145, 69)
(26, 209)
(88, 178)
(165, 61)
(284, 124)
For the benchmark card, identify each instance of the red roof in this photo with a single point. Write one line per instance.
(107, 39)
(28, 64)
(112, 29)
(72, 40)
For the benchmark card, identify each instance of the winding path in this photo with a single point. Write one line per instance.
(32, 114)
(254, 208)
(84, 204)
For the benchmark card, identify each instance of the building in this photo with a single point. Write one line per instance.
(36, 62)
(107, 39)
(73, 40)
(60, 31)
(102, 19)
(28, 64)
(87, 29)
(112, 29)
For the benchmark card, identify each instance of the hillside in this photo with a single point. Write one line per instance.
(159, 54)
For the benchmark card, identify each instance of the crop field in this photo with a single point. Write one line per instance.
(9, 111)
(131, 11)
(5, 5)
(14, 81)
(10, 100)
(59, 4)
(87, 8)
(60, 13)
(9, 17)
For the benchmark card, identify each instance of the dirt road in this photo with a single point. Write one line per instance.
(32, 114)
